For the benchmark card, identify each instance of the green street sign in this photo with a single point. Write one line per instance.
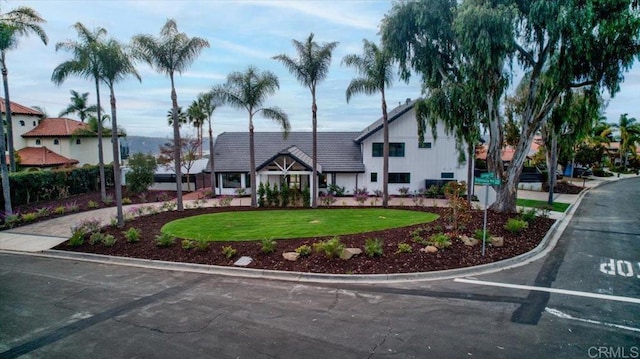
(488, 175)
(487, 181)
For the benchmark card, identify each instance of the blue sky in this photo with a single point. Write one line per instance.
(241, 33)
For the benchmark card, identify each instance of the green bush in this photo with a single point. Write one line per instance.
(93, 204)
(126, 200)
(404, 248)
(132, 235)
(29, 217)
(109, 240)
(142, 168)
(228, 251)
(304, 250)
(164, 240)
(478, 235)
(268, 245)
(59, 210)
(373, 247)
(331, 247)
(440, 240)
(515, 225)
(76, 239)
(528, 215)
(188, 244)
(202, 244)
(96, 237)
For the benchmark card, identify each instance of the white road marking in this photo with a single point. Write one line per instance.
(551, 290)
(560, 314)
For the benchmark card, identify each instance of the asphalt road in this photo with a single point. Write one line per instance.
(54, 308)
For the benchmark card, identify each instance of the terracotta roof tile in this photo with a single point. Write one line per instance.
(19, 109)
(56, 127)
(42, 157)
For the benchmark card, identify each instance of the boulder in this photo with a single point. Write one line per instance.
(469, 241)
(429, 249)
(291, 256)
(347, 253)
(497, 241)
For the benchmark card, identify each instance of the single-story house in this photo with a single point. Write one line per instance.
(345, 159)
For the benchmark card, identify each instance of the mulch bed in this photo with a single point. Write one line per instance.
(456, 256)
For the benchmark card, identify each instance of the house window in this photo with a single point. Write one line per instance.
(396, 149)
(400, 177)
(78, 141)
(34, 123)
(446, 175)
(247, 180)
(56, 141)
(38, 142)
(21, 123)
(374, 176)
(231, 180)
(322, 180)
(424, 145)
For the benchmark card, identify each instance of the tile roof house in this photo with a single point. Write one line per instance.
(53, 142)
(345, 159)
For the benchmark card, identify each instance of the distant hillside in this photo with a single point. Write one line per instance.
(151, 144)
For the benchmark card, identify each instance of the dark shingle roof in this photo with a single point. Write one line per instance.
(392, 115)
(337, 151)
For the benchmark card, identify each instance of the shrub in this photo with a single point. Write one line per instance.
(225, 201)
(126, 200)
(360, 195)
(43, 211)
(95, 237)
(86, 226)
(29, 217)
(440, 240)
(373, 247)
(76, 239)
(59, 210)
(108, 200)
(528, 215)
(93, 204)
(202, 244)
(132, 235)
(458, 212)
(416, 236)
(109, 240)
(268, 245)
(404, 248)
(331, 247)
(306, 196)
(228, 251)
(71, 207)
(11, 220)
(142, 168)
(515, 225)
(304, 250)
(164, 240)
(403, 191)
(188, 244)
(336, 190)
(327, 199)
(477, 234)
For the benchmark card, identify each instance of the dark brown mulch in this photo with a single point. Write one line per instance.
(563, 187)
(456, 256)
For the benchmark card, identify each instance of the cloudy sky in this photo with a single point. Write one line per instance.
(241, 33)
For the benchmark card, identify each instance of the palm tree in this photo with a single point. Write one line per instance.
(629, 134)
(375, 67)
(196, 117)
(79, 106)
(182, 117)
(116, 66)
(85, 64)
(172, 52)
(18, 22)
(208, 104)
(311, 67)
(248, 90)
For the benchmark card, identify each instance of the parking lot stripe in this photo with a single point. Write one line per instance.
(560, 314)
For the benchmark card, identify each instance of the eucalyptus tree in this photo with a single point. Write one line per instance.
(562, 45)
(629, 136)
(208, 104)
(85, 64)
(79, 106)
(248, 91)
(116, 65)
(171, 52)
(311, 67)
(21, 21)
(375, 70)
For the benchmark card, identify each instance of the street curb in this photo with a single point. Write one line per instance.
(546, 245)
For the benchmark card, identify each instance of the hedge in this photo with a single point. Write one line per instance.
(29, 187)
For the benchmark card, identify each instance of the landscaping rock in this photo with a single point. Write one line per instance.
(497, 241)
(243, 261)
(469, 241)
(347, 253)
(429, 249)
(291, 256)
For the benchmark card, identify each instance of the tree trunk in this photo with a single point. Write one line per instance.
(470, 164)
(494, 157)
(116, 158)
(177, 145)
(385, 150)
(7, 105)
(552, 164)
(314, 175)
(103, 181)
(4, 171)
(252, 163)
(211, 158)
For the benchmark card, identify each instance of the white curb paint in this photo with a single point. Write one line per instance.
(560, 314)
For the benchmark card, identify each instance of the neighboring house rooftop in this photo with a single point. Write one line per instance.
(42, 157)
(56, 127)
(337, 151)
(196, 167)
(392, 116)
(19, 109)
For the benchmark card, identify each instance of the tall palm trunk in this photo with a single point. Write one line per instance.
(7, 105)
(103, 181)
(6, 191)
(314, 178)
(116, 159)
(252, 163)
(211, 159)
(385, 149)
(177, 145)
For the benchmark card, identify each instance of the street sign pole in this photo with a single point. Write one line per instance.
(484, 225)
(486, 179)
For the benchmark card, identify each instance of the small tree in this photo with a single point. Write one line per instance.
(458, 211)
(143, 167)
(188, 155)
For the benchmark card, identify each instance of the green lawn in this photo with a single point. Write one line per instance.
(256, 225)
(532, 203)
